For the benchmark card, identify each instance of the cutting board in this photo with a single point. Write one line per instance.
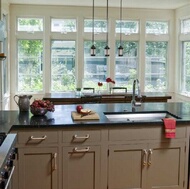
(77, 116)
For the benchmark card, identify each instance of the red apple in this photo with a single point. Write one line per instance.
(78, 108)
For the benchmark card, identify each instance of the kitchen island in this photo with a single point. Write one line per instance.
(58, 152)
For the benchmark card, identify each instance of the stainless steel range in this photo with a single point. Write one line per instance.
(7, 157)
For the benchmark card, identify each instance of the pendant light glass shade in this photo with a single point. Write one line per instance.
(120, 51)
(106, 49)
(120, 48)
(93, 48)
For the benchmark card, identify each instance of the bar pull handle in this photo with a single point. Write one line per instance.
(150, 157)
(81, 137)
(144, 157)
(81, 150)
(38, 138)
(55, 161)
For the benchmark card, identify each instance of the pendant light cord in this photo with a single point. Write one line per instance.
(107, 22)
(93, 23)
(120, 22)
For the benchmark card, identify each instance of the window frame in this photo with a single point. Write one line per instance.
(159, 38)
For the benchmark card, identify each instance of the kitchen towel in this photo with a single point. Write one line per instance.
(170, 127)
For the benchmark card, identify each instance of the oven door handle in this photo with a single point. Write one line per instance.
(10, 176)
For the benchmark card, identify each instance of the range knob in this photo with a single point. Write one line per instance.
(10, 163)
(12, 156)
(5, 174)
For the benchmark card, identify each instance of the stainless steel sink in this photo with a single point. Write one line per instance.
(139, 116)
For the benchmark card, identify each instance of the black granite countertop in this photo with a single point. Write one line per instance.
(61, 117)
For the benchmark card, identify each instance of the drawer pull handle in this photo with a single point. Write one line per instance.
(144, 157)
(81, 137)
(150, 157)
(81, 150)
(38, 138)
(55, 161)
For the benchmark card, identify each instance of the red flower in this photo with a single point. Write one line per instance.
(108, 80)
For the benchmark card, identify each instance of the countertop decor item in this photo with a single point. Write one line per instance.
(41, 107)
(23, 102)
(38, 111)
(110, 82)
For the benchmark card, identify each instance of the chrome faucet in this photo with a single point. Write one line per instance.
(133, 101)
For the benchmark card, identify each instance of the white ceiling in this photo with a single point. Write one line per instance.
(156, 4)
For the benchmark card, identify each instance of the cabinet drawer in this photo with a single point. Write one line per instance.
(41, 137)
(83, 136)
(143, 133)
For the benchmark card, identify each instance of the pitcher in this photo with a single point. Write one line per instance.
(23, 102)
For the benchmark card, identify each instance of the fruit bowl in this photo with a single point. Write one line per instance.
(41, 107)
(38, 111)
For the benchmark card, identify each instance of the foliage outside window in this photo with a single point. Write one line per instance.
(95, 68)
(63, 25)
(63, 65)
(30, 24)
(185, 26)
(156, 66)
(185, 88)
(126, 66)
(155, 27)
(30, 65)
(127, 27)
(100, 26)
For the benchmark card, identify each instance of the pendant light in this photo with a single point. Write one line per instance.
(106, 49)
(120, 48)
(93, 48)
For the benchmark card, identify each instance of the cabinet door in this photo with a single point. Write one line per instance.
(127, 166)
(37, 168)
(81, 167)
(166, 163)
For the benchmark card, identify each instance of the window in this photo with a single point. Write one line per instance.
(95, 68)
(185, 26)
(5, 71)
(63, 65)
(63, 25)
(185, 88)
(155, 27)
(128, 27)
(100, 26)
(30, 24)
(30, 65)
(185, 57)
(156, 66)
(126, 66)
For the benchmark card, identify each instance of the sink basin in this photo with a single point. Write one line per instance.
(139, 116)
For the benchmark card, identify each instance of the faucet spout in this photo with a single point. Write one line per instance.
(133, 101)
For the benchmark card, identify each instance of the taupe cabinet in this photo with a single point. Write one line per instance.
(81, 159)
(147, 161)
(144, 166)
(37, 160)
(126, 157)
